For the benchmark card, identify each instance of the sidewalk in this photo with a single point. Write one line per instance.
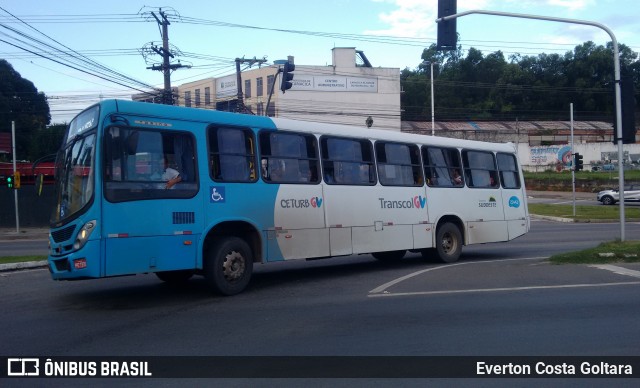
(25, 234)
(28, 233)
(566, 195)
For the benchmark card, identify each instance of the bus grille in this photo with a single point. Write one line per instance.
(63, 234)
(184, 218)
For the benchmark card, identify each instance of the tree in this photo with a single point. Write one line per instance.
(21, 102)
(479, 87)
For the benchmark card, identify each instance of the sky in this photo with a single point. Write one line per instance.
(209, 35)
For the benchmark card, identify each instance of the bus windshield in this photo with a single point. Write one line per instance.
(74, 177)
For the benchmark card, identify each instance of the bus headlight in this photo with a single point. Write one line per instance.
(84, 234)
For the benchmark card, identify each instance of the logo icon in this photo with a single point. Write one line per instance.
(419, 202)
(217, 194)
(23, 367)
(514, 202)
(316, 202)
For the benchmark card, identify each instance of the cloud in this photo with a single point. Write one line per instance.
(415, 18)
(571, 5)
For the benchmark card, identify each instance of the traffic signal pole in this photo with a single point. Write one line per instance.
(618, 94)
(15, 192)
(573, 162)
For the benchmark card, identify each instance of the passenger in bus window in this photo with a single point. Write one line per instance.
(456, 179)
(276, 170)
(265, 168)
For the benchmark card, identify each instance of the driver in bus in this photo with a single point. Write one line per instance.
(166, 174)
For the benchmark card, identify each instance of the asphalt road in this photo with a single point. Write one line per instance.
(499, 300)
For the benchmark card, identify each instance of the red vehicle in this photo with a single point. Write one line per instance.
(28, 172)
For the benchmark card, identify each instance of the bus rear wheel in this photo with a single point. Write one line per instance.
(448, 242)
(228, 266)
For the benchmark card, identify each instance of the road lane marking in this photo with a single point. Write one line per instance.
(383, 287)
(618, 270)
(502, 289)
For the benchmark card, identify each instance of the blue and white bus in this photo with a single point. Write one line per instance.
(249, 189)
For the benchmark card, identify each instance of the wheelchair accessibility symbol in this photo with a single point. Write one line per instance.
(217, 194)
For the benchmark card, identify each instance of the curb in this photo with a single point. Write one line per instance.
(572, 221)
(556, 219)
(23, 265)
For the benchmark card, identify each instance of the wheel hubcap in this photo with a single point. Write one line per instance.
(233, 266)
(448, 243)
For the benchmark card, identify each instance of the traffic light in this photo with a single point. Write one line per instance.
(287, 76)
(10, 182)
(628, 104)
(16, 180)
(578, 163)
(447, 35)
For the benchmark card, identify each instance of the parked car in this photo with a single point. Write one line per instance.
(611, 196)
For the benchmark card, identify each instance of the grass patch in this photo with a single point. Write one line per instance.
(623, 252)
(582, 175)
(21, 259)
(583, 212)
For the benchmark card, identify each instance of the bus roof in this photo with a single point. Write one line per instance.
(379, 134)
(236, 119)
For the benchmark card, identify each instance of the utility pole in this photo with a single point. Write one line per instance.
(241, 108)
(165, 53)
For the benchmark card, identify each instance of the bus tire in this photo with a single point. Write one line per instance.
(389, 256)
(448, 242)
(175, 277)
(228, 266)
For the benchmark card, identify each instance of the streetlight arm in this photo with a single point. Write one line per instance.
(618, 94)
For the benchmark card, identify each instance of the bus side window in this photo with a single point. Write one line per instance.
(289, 157)
(347, 161)
(480, 169)
(232, 154)
(508, 167)
(442, 167)
(398, 164)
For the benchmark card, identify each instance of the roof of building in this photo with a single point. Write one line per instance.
(507, 126)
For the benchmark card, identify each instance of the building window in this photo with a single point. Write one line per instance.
(247, 88)
(207, 96)
(259, 87)
(197, 97)
(260, 109)
(270, 79)
(187, 98)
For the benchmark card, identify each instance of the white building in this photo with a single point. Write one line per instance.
(343, 92)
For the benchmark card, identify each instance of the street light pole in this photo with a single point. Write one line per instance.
(616, 75)
(433, 118)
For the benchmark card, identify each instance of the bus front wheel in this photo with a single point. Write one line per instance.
(448, 242)
(228, 266)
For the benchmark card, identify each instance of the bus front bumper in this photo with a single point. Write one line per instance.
(82, 264)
